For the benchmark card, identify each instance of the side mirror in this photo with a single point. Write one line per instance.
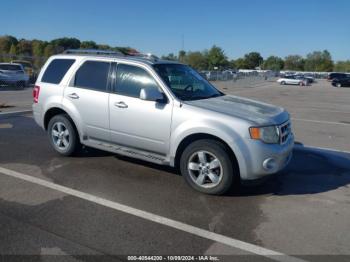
(152, 94)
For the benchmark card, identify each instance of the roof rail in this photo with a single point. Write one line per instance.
(93, 52)
(146, 56)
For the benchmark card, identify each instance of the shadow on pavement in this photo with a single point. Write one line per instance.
(310, 171)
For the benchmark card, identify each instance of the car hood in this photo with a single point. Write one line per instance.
(256, 112)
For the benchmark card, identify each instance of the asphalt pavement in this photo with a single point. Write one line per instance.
(302, 211)
(99, 206)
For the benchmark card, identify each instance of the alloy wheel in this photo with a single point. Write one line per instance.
(205, 169)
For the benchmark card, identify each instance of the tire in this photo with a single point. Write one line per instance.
(69, 140)
(198, 175)
(20, 84)
(283, 83)
(338, 85)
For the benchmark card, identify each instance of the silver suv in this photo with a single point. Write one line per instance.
(163, 112)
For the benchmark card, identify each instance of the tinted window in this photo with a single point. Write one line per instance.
(92, 75)
(131, 79)
(10, 67)
(56, 70)
(185, 82)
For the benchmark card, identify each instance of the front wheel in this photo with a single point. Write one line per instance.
(283, 83)
(338, 85)
(62, 135)
(208, 167)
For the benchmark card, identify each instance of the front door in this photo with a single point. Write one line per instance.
(137, 123)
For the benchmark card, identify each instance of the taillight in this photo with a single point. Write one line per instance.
(36, 91)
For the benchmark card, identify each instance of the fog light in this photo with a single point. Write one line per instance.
(269, 164)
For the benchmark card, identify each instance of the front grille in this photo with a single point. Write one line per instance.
(285, 131)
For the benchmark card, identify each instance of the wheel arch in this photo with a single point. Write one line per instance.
(49, 114)
(199, 136)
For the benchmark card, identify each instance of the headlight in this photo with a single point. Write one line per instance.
(267, 134)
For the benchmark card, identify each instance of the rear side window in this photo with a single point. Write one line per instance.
(56, 70)
(10, 67)
(92, 75)
(131, 79)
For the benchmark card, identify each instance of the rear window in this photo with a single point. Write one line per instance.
(332, 75)
(11, 67)
(56, 70)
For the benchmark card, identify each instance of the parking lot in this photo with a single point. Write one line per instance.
(101, 205)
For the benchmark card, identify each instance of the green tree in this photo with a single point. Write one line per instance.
(253, 60)
(13, 50)
(232, 64)
(38, 48)
(24, 47)
(342, 66)
(197, 60)
(104, 47)
(182, 56)
(319, 61)
(6, 42)
(216, 58)
(38, 53)
(274, 63)
(170, 57)
(294, 62)
(241, 63)
(88, 45)
(65, 43)
(49, 50)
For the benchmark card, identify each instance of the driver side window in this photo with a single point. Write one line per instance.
(131, 79)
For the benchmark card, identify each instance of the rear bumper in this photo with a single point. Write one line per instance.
(37, 114)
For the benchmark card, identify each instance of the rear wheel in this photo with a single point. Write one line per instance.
(20, 84)
(207, 166)
(62, 135)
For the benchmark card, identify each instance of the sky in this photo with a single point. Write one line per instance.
(271, 27)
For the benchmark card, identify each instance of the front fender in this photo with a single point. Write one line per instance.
(214, 128)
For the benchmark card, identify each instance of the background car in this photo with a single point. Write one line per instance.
(28, 68)
(13, 74)
(291, 80)
(332, 76)
(341, 82)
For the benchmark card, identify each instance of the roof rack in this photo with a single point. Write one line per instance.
(148, 56)
(93, 52)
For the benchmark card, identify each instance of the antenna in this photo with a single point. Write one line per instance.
(182, 42)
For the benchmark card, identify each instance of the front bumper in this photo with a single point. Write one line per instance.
(262, 159)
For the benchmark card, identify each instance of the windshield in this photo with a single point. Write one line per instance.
(10, 67)
(185, 82)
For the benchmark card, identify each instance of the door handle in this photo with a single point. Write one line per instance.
(73, 96)
(121, 104)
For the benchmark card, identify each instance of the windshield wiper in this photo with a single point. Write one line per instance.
(215, 95)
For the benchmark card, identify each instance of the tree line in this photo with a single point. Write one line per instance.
(215, 58)
(37, 51)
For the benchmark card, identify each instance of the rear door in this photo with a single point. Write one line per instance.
(134, 122)
(87, 95)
